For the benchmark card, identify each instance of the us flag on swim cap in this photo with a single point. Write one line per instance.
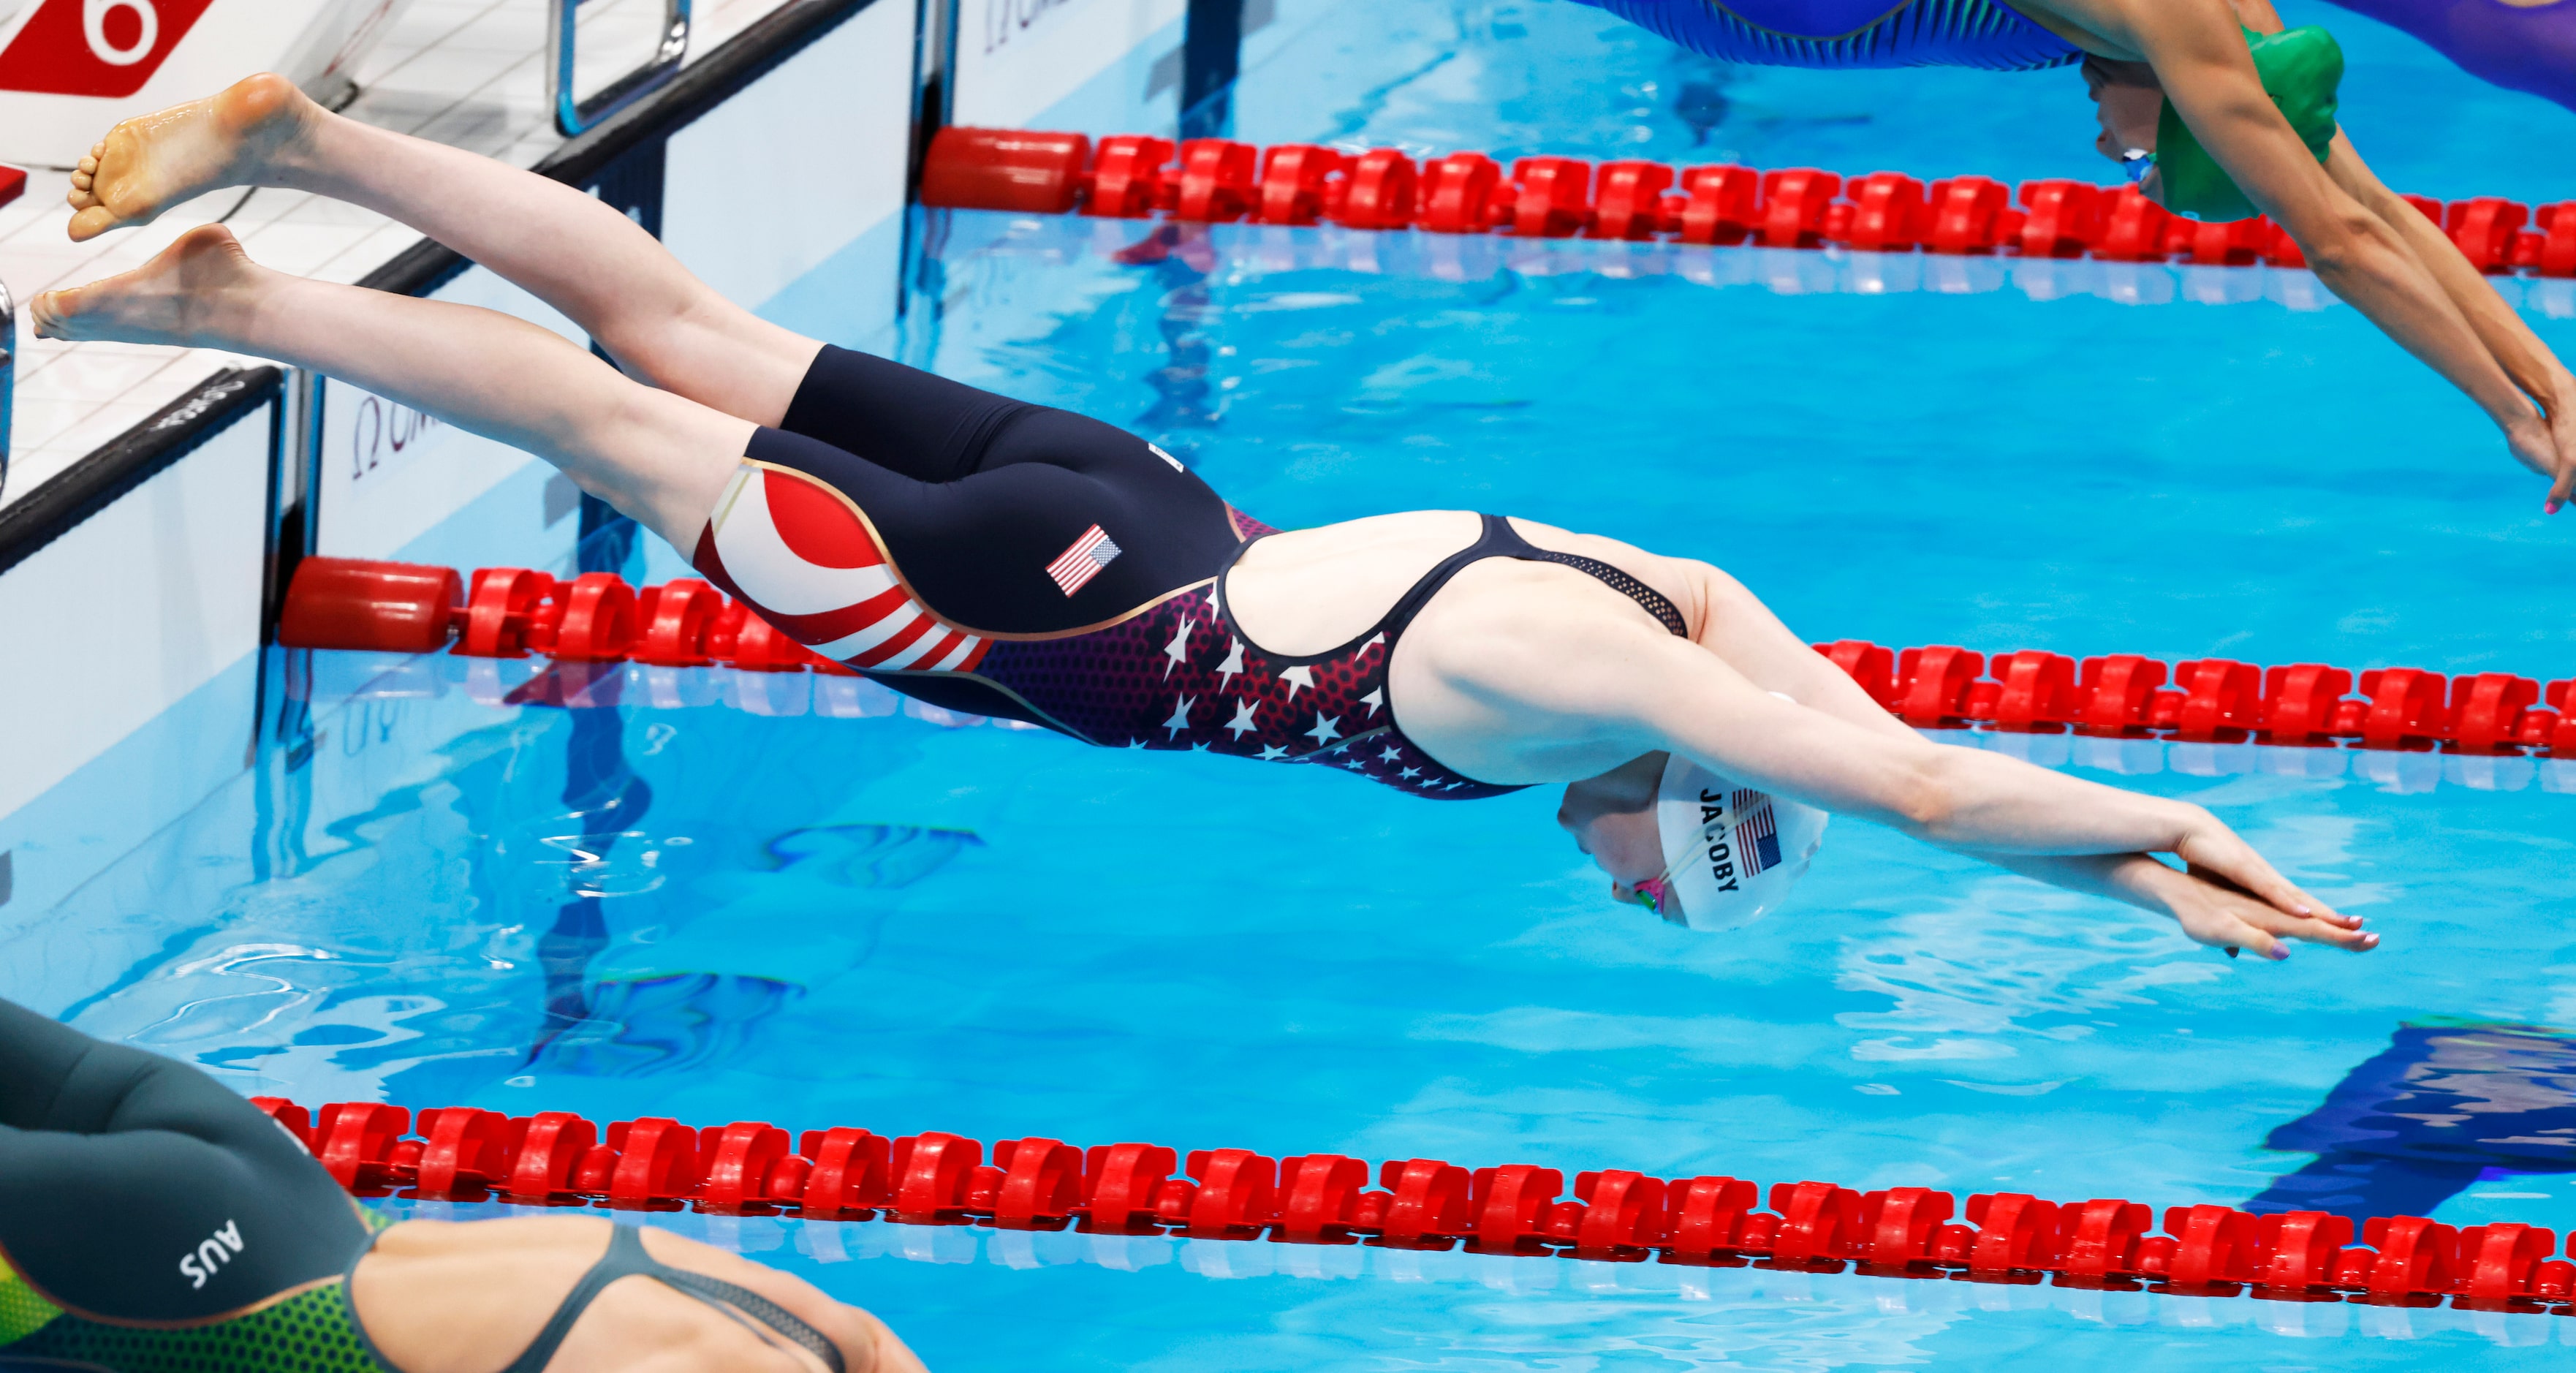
(1078, 564)
(1757, 835)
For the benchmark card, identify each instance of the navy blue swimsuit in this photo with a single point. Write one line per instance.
(1853, 33)
(1007, 559)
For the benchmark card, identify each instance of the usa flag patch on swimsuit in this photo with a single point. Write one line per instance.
(1077, 565)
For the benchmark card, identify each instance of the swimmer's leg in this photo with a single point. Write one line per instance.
(570, 250)
(661, 458)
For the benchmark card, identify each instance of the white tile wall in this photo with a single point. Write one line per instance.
(464, 72)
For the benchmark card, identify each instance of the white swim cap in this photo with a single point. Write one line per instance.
(1735, 852)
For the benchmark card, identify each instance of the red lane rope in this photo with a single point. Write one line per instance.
(512, 612)
(2215, 700)
(1216, 180)
(555, 1158)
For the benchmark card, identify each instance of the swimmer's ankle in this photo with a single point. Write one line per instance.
(275, 125)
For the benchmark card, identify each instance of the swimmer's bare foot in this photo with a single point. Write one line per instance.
(187, 295)
(151, 162)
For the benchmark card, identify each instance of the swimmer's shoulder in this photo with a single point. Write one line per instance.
(1673, 576)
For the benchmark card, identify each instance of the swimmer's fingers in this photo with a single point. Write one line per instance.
(2562, 433)
(2215, 852)
(2216, 914)
(2533, 443)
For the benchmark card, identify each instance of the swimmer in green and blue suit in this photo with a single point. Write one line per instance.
(2215, 110)
(153, 1222)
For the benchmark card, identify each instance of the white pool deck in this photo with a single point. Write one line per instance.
(469, 73)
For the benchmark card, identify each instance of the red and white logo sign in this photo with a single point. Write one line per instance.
(103, 48)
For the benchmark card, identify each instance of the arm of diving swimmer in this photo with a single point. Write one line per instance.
(2200, 59)
(2534, 369)
(1670, 694)
(2211, 912)
(1665, 693)
(1744, 633)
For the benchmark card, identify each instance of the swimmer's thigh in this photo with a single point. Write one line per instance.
(905, 420)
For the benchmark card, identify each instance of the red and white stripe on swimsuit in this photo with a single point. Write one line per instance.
(799, 554)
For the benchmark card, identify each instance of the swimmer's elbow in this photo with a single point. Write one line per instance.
(2341, 242)
(1926, 796)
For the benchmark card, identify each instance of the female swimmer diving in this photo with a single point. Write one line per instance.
(2219, 112)
(152, 1220)
(1011, 560)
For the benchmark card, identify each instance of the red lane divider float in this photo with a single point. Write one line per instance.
(510, 612)
(2214, 700)
(1215, 180)
(747, 1168)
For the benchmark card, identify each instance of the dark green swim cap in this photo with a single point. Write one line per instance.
(2300, 69)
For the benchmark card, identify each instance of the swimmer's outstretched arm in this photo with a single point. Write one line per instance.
(2535, 370)
(1580, 689)
(658, 457)
(2366, 245)
(591, 263)
(1746, 636)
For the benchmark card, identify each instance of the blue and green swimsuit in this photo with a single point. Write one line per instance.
(153, 1222)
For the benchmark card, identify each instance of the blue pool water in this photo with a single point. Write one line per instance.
(855, 913)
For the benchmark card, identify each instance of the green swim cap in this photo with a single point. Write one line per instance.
(2300, 69)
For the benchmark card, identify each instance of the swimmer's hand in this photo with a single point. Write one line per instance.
(2540, 445)
(2215, 908)
(2560, 451)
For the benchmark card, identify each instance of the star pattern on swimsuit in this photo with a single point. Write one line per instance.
(1144, 681)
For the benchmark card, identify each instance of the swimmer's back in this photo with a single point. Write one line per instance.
(1306, 590)
(468, 1298)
